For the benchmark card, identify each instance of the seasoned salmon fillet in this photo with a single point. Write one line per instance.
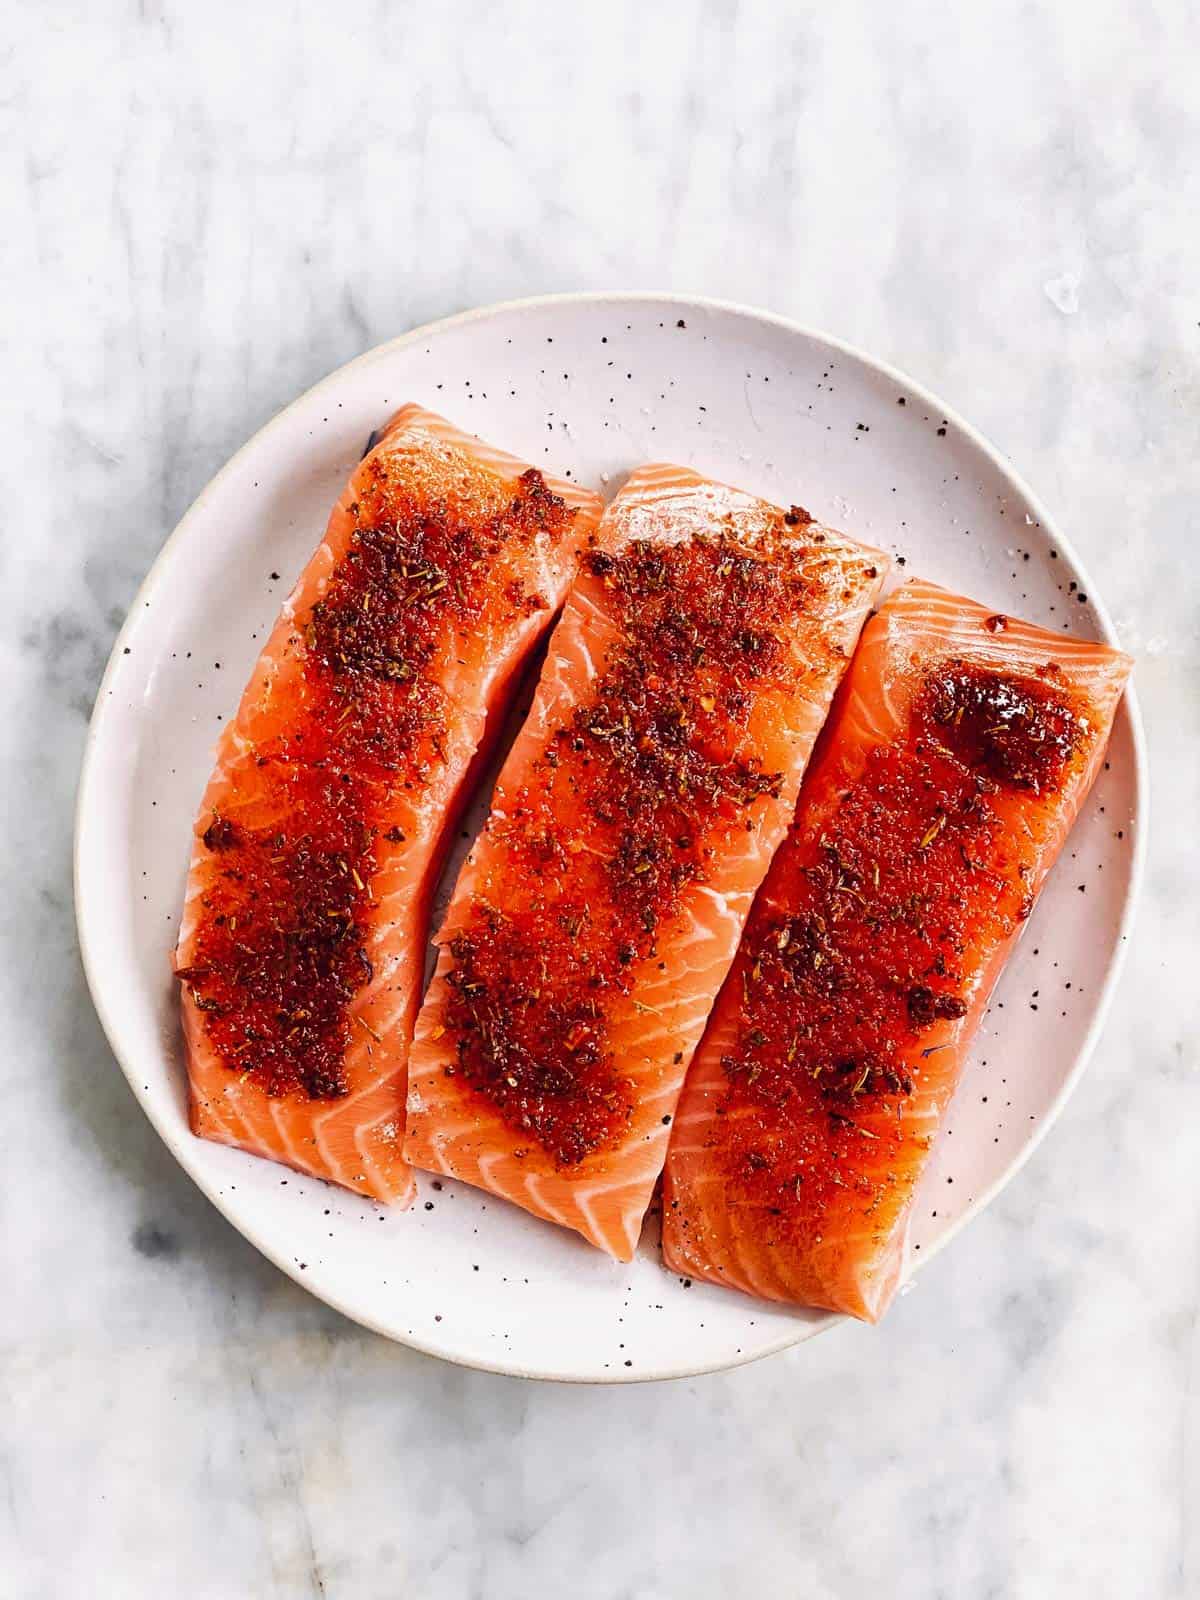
(958, 754)
(323, 828)
(597, 914)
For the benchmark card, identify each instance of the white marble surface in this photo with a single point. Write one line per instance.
(205, 209)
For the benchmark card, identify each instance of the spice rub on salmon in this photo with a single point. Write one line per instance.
(336, 786)
(597, 914)
(953, 766)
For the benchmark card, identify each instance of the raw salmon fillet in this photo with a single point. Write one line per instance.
(336, 788)
(599, 910)
(956, 759)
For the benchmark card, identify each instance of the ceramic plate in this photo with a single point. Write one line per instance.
(589, 385)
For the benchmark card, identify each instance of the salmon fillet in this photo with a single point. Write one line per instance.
(323, 828)
(599, 910)
(957, 757)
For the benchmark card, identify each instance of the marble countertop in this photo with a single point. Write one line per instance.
(206, 209)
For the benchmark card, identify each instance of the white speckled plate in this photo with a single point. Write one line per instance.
(592, 384)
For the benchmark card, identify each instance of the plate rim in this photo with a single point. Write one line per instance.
(178, 1141)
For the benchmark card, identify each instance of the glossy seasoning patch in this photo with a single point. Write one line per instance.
(955, 762)
(322, 831)
(598, 912)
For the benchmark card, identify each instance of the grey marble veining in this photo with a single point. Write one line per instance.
(207, 208)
